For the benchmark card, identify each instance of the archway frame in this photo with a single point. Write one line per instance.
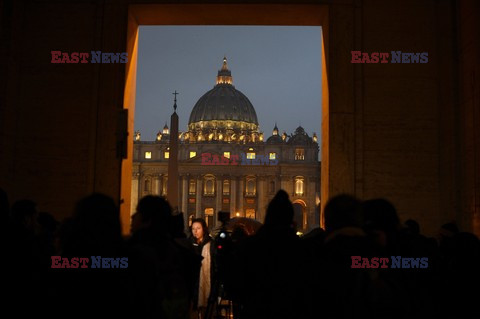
(302, 203)
(219, 14)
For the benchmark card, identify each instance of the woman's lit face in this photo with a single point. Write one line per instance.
(197, 231)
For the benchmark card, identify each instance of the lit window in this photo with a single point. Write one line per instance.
(209, 185)
(192, 187)
(209, 216)
(226, 187)
(250, 155)
(226, 154)
(250, 187)
(148, 155)
(299, 154)
(272, 156)
(193, 154)
(299, 186)
(167, 153)
(250, 213)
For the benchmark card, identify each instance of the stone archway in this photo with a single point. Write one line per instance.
(300, 215)
(216, 14)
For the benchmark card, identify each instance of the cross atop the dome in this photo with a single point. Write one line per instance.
(175, 100)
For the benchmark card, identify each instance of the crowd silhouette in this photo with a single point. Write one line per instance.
(271, 274)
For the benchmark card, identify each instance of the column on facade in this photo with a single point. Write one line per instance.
(261, 199)
(163, 189)
(141, 184)
(184, 196)
(218, 200)
(156, 184)
(240, 197)
(310, 194)
(134, 195)
(233, 196)
(284, 184)
(198, 200)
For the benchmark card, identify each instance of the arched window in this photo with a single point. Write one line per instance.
(226, 187)
(209, 185)
(250, 186)
(191, 187)
(299, 189)
(147, 186)
(299, 154)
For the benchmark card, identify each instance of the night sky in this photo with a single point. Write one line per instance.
(278, 68)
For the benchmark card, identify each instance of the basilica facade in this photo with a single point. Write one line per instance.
(226, 163)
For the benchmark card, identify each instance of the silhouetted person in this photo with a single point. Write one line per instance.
(24, 217)
(343, 291)
(47, 227)
(93, 232)
(381, 222)
(164, 269)
(410, 288)
(267, 265)
(445, 237)
(22, 254)
(4, 210)
(96, 227)
(412, 226)
(460, 277)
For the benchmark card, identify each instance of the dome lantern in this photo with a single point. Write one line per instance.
(275, 130)
(165, 129)
(224, 75)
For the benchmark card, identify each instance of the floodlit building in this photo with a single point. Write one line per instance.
(226, 163)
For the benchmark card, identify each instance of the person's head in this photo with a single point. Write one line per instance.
(449, 229)
(4, 205)
(135, 223)
(47, 222)
(380, 214)
(97, 219)
(412, 226)
(154, 213)
(342, 211)
(199, 229)
(24, 214)
(381, 220)
(279, 211)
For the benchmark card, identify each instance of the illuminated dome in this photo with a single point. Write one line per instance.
(224, 111)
